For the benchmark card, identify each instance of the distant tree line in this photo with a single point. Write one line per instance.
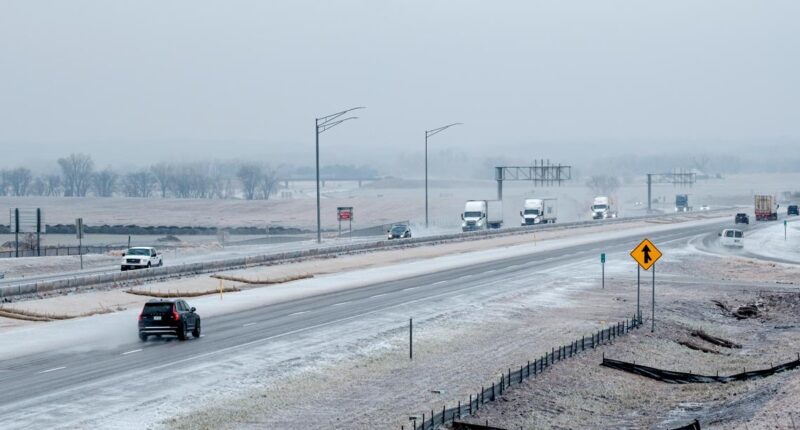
(77, 177)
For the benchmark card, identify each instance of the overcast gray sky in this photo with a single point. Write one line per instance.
(246, 78)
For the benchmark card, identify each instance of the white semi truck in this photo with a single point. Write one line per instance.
(482, 215)
(539, 211)
(602, 208)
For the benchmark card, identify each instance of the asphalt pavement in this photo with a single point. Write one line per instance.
(30, 381)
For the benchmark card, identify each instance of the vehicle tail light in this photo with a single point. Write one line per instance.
(140, 315)
(175, 313)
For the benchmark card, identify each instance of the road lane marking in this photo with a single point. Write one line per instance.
(340, 303)
(377, 295)
(131, 352)
(440, 282)
(297, 313)
(410, 288)
(53, 370)
(248, 324)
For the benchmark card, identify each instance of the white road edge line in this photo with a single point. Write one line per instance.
(53, 370)
(340, 303)
(410, 288)
(297, 313)
(131, 352)
(440, 282)
(378, 295)
(248, 324)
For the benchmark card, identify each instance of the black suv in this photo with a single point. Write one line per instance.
(741, 218)
(399, 231)
(792, 210)
(173, 317)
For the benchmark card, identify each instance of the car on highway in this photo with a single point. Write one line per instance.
(705, 208)
(168, 317)
(792, 210)
(399, 231)
(732, 237)
(141, 257)
(741, 218)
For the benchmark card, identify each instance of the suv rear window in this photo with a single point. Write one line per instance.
(157, 308)
(738, 233)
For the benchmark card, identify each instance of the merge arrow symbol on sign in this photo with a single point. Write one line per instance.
(646, 254)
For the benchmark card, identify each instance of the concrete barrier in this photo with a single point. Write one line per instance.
(166, 272)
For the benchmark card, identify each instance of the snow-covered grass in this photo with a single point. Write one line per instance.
(770, 241)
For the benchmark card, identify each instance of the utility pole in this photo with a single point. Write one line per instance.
(429, 133)
(320, 125)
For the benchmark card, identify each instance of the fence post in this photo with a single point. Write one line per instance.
(529, 368)
(470, 404)
(509, 377)
(520, 374)
(492, 391)
(444, 408)
(502, 382)
(433, 424)
(459, 409)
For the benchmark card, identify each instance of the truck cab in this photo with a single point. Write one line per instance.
(682, 203)
(482, 215)
(601, 208)
(538, 211)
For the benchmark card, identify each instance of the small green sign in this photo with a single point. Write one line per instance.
(603, 257)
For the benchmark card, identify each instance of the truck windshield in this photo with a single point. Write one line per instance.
(472, 214)
(531, 211)
(138, 252)
(599, 207)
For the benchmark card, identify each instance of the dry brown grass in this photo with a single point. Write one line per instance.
(22, 314)
(263, 281)
(180, 294)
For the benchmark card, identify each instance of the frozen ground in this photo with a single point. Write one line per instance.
(771, 241)
(389, 201)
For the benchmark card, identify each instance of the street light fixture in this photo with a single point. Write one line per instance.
(323, 124)
(429, 133)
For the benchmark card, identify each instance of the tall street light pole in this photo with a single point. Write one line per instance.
(321, 125)
(429, 133)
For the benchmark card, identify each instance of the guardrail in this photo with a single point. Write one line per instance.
(167, 272)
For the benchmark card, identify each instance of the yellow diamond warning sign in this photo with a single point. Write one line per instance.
(646, 254)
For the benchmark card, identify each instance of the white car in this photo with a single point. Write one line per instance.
(140, 258)
(705, 208)
(732, 237)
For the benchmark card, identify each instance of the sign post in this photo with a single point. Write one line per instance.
(646, 254)
(79, 234)
(603, 268)
(345, 213)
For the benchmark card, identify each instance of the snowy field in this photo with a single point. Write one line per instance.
(380, 203)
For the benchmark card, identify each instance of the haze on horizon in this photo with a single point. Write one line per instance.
(569, 81)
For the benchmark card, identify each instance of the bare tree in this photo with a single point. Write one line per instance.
(52, 185)
(38, 187)
(19, 180)
(77, 172)
(250, 176)
(162, 173)
(267, 182)
(603, 184)
(4, 182)
(138, 184)
(104, 182)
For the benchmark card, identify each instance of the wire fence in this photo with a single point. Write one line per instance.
(517, 376)
(54, 251)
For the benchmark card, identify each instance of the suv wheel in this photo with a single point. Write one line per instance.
(196, 331)
(182, 332)
(143, 337)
